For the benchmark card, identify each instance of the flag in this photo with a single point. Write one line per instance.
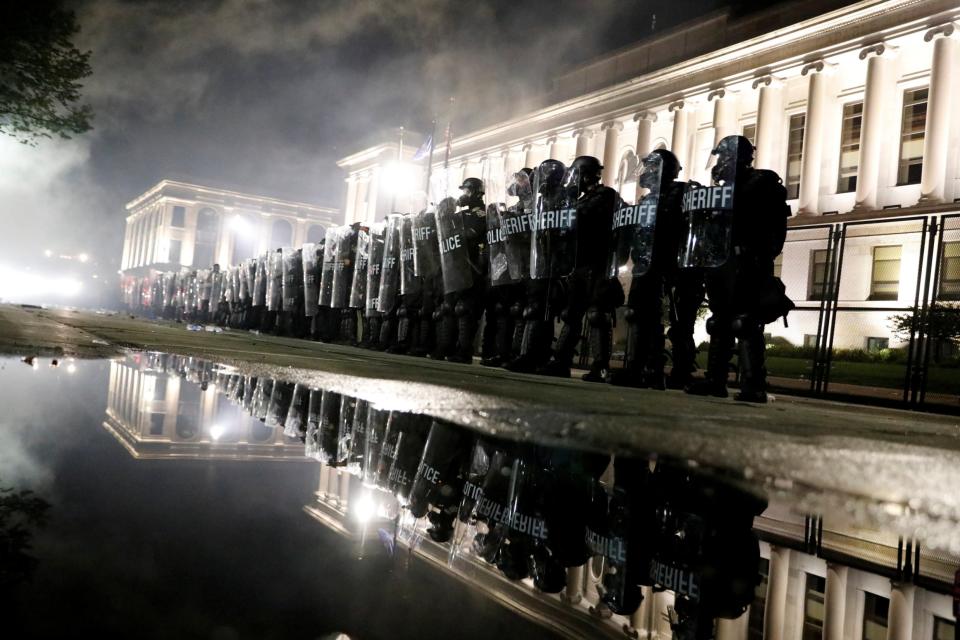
(425, 149)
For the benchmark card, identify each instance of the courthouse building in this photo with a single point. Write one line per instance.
(177, 225)
(854, 107)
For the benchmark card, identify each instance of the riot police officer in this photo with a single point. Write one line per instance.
(646, 241)
(461, 234)
(426, 253)
(735, 230)
(547, 252)
(372, 318)
(587, 289)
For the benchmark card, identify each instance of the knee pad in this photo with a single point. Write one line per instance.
(446, 309)
(498, 308)
(743, 325)
(630, 314)
(565, 315)
(402, 312)
(460, 309)
(437, 313)
(596, 317)
(531, 312)
(516, 310)
(711, 325)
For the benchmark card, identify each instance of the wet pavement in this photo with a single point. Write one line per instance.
(251, 448)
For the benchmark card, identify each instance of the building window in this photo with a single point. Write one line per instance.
(950, 272)
(885, 281)
(156, 424)
(874, 617)
(778, 266)
(178, 219)
(877, 344)
(943, 629)
(912, 126)
(755, 622)
(174, 254)
(208, 228)
(817, 286)
(795, 154)
(281, 235)
(159, 388)
(750, 133)
(810, 340)
(850, 147)
(316, 233)
(813, 608)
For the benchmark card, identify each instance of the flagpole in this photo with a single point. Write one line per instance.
(433, 135)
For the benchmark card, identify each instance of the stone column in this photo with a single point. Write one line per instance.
(573, 593)
(324, 485)
(724, 114)
(871, 130)
(527, 151)
(775, 610)
(735, 629)
(611, 159)
(834, 602)
(344, 496)
(552, 148)
(936, 136)
(644, 120)
(350, 209)
(678, 144)
(582, 136)
(900, 619)
(373, 196)
(769, 121)
(333, 485)
(662, 601)
(815, 122)
(125, 257)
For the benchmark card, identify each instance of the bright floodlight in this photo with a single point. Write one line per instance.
(48, 253)
(398, 178)
(83, 257)
(217, 431)
(240, 225)
(365, 509)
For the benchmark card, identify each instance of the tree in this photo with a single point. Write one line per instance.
(940, 322)
(40, 72)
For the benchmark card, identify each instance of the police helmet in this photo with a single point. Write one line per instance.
(550, 174)
(733, 153)
(670, 165)
(474, 185)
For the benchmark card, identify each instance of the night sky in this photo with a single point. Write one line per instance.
(264, 96)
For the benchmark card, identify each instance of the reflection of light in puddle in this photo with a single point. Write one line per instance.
(365, 509)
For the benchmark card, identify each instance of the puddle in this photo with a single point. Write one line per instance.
(197, 498)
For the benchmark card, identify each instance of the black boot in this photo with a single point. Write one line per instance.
(683, 353)
(466, 332)
(631, 375)
(372, 330)
(601, 344)
(753, 372)
(446, 336)
(425, 341)
(718, 364)
(388, 333)
(563, 353)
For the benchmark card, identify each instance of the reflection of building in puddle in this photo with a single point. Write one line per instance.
(584, 544)
(167, 406)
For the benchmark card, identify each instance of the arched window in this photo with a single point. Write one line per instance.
(245, 229)
(281, 234)
(316, 233)
(208, 228)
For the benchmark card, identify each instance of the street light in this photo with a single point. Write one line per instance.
(83, 257)
(398, 178)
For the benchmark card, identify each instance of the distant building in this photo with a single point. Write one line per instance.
(854, 107)
(177, 225)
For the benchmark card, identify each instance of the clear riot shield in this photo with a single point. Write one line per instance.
(229, 290)
(454, 256)
(311, 282)
(498, 269)
(216, 288)
(631, 251)
(553, 237)
(343, 266)
(244, 289)
(204, 281)
(274, 281)
(426, 251)
(291, 277)
(707, 236)
(250, 266)
(409, 282)
(374, 270)
(260, 282)
(390, 271)
(327, 266)
(361, 260)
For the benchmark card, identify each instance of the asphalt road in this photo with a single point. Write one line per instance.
(866, 466)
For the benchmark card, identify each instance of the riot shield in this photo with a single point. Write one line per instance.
(250, 264)
(260, 282)
(358, 288)
(390, 269)
(553, 242)
(216, 289)
(409, 282)
(358, 438)
(634, 225)
(244, 290)
(327, 267)
(311, 290)
(348, 409)
(343, 266)
(454, 255)
(707, 233)
(498, 267)
(292, 277)
(374, 270)
(329, 428)
(204, 279)
(442, 471)
(275, 281)
(426, 251)
(376, 427)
